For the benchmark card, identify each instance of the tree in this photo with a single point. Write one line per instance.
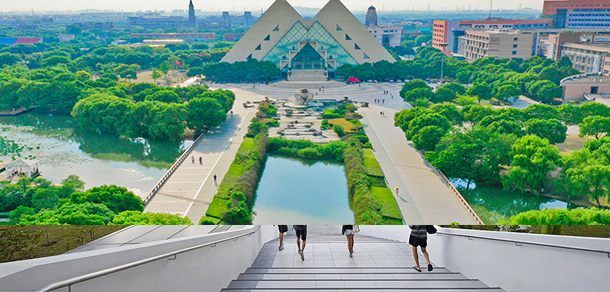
(166, 95)
(444, 94)
(455, 87)
(103, 113)
(117, 199)
(165, 67)
(139, 218)
(595, 126)
(481, 91)
(156, 75)
(205, 113)
(72, 214)
(590, 180)
(419, 93)
(427, 138)
(540, 111)
(16, 214)
(411, 85)
(552, 129)
(46, 198)
(507, 91)
(533, 159)
(428, 119)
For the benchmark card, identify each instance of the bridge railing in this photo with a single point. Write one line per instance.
(171, 171)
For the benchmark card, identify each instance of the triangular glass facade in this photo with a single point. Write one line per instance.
(316, 36)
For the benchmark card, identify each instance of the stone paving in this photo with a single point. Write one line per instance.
(377, 264)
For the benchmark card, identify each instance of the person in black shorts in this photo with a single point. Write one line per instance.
(282, 229)
(301, 231)
(419, 237)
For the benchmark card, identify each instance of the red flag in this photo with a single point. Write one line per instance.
(179, 63)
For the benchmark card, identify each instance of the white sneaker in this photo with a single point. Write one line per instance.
(281, 247)
(302, 256)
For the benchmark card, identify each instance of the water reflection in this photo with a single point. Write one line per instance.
(302, 191)
(63, 149)
(493, 204)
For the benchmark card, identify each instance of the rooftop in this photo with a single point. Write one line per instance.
(587, 79)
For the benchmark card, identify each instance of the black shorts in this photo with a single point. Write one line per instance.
(418, 241)
(282, 228)
(302, 234)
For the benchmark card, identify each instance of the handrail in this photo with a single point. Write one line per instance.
(171, 170)
(459, 196)
(519, 242)
(82, 278)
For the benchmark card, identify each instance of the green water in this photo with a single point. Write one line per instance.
(62, 148)
(295, 191)
(494, 204)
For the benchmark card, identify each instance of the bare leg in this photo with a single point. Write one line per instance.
(303, 247)
(423, 250)
(415, 257)
(350, 244)
(299, 243)
(281, 239)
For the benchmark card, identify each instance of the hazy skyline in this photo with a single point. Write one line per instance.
(249, 5)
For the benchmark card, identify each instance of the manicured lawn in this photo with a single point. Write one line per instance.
(219, 203)
(371, 164)
(348, 126)
(390, 208)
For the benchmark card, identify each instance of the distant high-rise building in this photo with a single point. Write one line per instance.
(580, 14)
(371, 17)
(247, 17)
(192, 17)
(226, 20)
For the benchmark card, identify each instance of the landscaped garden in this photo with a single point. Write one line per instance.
(368, 196)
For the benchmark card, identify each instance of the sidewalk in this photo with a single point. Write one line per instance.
(423, 197)
(190, 190)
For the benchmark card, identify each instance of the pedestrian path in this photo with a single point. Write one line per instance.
(190, 189)
(377, 265)
(423, 197)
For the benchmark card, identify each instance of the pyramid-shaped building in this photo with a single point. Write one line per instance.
(334, 37)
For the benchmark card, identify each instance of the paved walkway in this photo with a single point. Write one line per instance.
(190, 190)
(377, 265)
(423, 197)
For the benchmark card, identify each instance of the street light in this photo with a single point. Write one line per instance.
(443, 45)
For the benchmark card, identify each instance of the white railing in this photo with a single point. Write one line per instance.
(515, 262)
(197, 263)
(171, 171)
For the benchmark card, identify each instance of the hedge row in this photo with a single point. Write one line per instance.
(243, 176)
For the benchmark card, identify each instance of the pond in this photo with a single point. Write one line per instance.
(293, 191)
(62, 149)
(493, 204)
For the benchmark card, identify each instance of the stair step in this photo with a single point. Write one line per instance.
(352, 284)
(354, 277)
(348, 270)
(368, 289)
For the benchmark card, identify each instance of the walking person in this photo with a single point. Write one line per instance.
(419, 237)
(396, 189)
(301, 231)
(349, 231)
(200, 160)
(193, 158)
(215, 177)
(282, 229)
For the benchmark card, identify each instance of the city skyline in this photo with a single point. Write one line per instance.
(244, 5)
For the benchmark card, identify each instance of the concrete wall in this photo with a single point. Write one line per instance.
(577, 90)
(209, 268)
(513, 267)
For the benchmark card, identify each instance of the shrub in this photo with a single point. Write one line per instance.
(591, 216)
(332, 114)
(339, 130)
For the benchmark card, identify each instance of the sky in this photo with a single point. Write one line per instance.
(255, 5)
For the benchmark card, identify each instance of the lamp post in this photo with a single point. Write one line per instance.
(443, 45)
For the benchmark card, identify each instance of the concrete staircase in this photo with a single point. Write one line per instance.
(307, 76)
(377, 265)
